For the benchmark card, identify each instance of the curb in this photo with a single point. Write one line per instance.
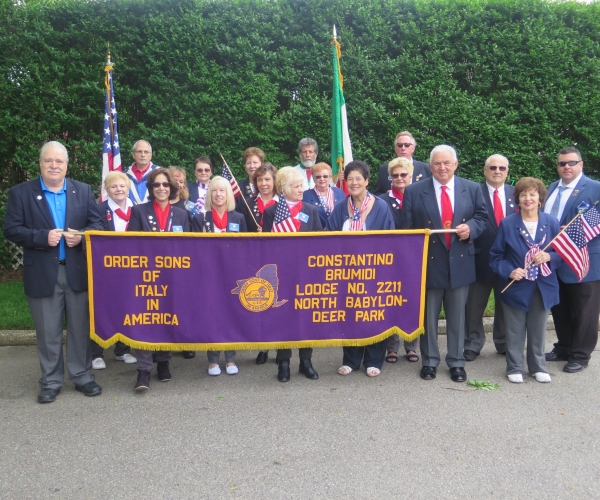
(27, 337)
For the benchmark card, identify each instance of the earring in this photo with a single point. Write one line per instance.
(539, 205)
(389, 177)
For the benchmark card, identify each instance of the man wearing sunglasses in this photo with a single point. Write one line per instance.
(404, 146)
(500, 203)
(576, 316)
(139, 170)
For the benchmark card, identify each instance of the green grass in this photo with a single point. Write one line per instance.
(489, 310)
(14, 311)
(483, 385)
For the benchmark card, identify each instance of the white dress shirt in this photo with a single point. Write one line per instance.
(564, 197)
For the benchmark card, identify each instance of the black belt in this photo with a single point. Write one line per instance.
(62, 262)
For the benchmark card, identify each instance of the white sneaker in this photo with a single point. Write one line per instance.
(515, 378)
(98, 364)
(214, 371)
(127, 359)
(542, 377)
(232, 370)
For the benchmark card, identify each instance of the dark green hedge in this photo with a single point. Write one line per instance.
(195, 77)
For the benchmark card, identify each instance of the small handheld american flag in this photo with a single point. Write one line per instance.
(229, 176)
(283, 222)
(571, 245)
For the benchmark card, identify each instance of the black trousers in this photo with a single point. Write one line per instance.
(120, 350)
(576, 320)
(304, 353)
(369, 355)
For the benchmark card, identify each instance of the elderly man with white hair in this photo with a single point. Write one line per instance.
(450, 203)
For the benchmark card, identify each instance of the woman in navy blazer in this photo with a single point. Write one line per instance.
(158, 215)
(528, 300)
(324, 196)
(115, 212)
(304, 217)
(361, 211)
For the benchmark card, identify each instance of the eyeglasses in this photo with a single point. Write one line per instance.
(571, 163)
(317, 177)
(403, 175)
(493, 168)
(139, 152)
(159, 184)
(403, 144)
(205, 170)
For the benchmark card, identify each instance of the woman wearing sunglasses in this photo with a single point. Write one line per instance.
(324, 196)
(400, 172)
(203, 169)
(157, 216)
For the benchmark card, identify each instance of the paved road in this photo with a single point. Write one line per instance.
(249, 436)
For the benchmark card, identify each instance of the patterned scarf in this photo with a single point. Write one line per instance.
(357, 223)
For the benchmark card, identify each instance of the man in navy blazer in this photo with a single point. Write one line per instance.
(404, 145)
(500, 203)
(451, 256)
(576, 316)
(55, 271)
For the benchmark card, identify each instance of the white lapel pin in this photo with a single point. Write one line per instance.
(39, 197)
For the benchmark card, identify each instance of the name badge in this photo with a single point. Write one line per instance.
(178, 229)
(233, 227)
(303, 217)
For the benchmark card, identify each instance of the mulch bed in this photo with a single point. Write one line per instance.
(7, 275)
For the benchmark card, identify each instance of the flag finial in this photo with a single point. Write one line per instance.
(108, 53)
(334, 33)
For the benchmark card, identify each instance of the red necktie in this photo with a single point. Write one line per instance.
(498, 213)
(447, 214)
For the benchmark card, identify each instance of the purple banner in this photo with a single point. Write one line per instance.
(222, 291)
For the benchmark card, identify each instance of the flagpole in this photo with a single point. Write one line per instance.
(551, 241)
(107, 68)
(241, 194)
(341, 165)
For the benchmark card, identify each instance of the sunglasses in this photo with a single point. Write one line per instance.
(205, 170)
(402, 176)
(571, 163)
(493, 168)
(403, 144)
(159, 184)
(317, 177)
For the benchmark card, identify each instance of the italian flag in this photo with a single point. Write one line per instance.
(341, 149)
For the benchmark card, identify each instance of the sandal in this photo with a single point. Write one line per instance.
(344, 370)
(392, 357)
(412, 356)
(373, 372)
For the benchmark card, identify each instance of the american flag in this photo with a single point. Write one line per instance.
(229, 176)
(591, 223)
(111, 152)
(571, 245)
(283, 222)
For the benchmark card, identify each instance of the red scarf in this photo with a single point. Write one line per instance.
(399, 196)
(124, 216)
(262, 206)
(161, 215)
(295, 210)
(219, 222)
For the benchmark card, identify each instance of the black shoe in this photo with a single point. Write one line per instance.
(48, 395)
(283, 374)
(458, 374)
(572, 367)
(470, 355)
(306, 368)
(143, 381)
(428, 372)
(189, 354)
(90, 389)
(262, 357)
(555, 356)
(162, 369)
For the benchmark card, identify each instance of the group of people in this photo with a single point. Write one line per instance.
(495, 235)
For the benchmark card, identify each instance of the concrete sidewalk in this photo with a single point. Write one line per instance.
(250, 437)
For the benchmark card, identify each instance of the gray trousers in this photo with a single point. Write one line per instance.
(213, 356)
(532, 324)
(479, 293)
(393, 344)
(48, 314)
(454, 301)
(144, 358)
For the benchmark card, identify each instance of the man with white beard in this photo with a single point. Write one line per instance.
(308, 150)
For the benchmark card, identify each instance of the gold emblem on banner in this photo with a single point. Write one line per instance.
(259, 293)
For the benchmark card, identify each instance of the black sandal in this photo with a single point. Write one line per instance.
(412, 358)
(391, 358)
